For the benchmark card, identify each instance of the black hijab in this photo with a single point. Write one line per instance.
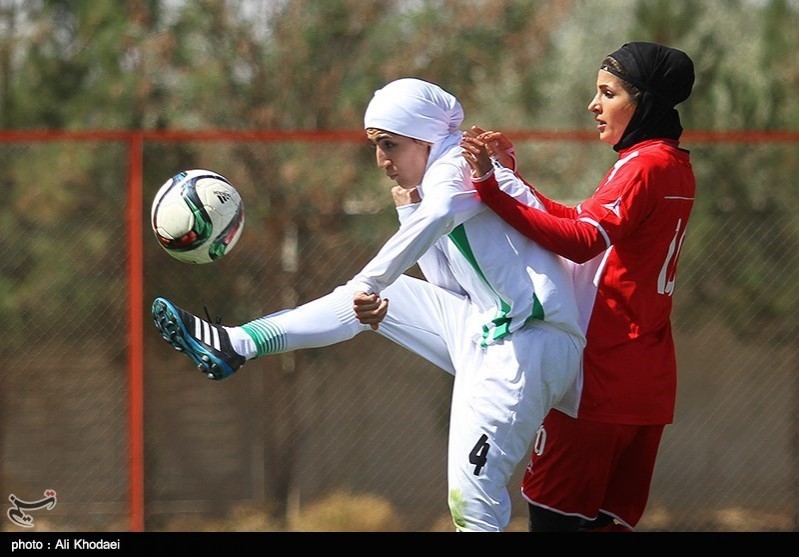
(665, 77)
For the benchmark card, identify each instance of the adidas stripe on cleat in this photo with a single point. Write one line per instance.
(207, 345)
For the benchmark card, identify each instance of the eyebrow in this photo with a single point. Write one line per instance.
(378, 136)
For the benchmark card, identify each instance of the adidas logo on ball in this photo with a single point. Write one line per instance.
(222, 196)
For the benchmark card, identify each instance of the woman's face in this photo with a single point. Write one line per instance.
(612, 106)
(403, 158)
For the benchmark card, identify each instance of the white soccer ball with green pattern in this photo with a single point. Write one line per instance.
(197, 216)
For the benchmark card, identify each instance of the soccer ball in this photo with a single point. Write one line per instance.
(197, 216)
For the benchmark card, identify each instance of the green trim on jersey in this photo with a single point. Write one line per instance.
(538, 310)
(501, 322)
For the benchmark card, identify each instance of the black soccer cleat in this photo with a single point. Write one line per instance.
(208, 345)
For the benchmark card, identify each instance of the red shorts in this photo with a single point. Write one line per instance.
(580, 467)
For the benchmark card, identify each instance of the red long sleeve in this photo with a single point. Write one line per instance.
(573, 239)
(636, 218)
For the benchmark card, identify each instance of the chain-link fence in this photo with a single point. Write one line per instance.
(364, 421)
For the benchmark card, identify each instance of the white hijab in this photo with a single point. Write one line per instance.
(417, 109)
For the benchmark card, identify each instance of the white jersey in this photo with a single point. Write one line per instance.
(463, 246)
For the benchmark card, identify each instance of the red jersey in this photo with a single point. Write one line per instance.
(627, 238)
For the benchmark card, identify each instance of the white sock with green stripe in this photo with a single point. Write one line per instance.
(322, 322)
(247, 338)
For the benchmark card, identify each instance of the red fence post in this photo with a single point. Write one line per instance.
(135, 332)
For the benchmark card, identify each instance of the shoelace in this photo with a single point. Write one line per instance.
(208, 315)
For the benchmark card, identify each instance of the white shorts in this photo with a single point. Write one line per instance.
(501, 392)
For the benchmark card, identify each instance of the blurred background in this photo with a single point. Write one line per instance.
(353, 437)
